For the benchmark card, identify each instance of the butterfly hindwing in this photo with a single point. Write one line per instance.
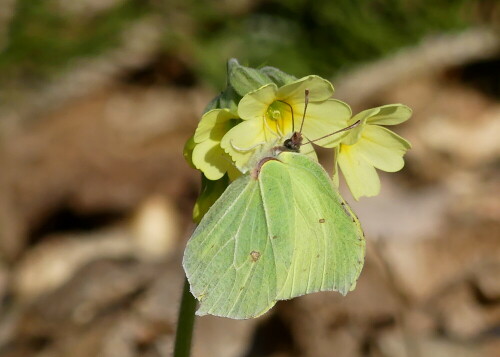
(228, 261)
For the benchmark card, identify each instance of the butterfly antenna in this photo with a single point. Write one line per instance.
(352, 126)
(306, 102)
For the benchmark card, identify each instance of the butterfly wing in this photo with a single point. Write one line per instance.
(283, 234)
(328, 245)
(230, 258)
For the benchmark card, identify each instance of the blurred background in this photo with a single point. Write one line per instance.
(97, 98)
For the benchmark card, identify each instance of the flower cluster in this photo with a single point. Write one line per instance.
(261, 108)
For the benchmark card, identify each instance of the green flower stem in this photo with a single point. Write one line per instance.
(185, 323)
(185, 320)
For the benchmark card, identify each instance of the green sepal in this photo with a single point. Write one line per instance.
(210, 192)
(245, 79)
(227, 99)
(188, 151)
(278, 76)
(213, 104)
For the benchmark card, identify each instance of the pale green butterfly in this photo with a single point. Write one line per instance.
(281, 231)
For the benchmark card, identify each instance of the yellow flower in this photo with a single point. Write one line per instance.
(370, 146)
(207, 155)
(270, 115)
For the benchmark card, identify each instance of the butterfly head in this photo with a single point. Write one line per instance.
(294, 143)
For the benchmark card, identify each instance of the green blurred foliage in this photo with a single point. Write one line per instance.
(42, 39)
(322, 36)
(298, 36)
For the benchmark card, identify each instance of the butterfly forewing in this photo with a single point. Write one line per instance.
(327, 242)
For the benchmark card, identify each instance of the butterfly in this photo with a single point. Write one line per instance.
(278, 232)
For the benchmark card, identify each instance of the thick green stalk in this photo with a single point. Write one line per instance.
(185, 323)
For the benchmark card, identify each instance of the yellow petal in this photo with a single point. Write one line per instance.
(254, 104)
(213, 124)
(361, 177)
(243, 141)
(335, 175)
(382, 148)
(354, 134)
(322, 119)
(294, 93)
(390, 114)
(211, 159)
